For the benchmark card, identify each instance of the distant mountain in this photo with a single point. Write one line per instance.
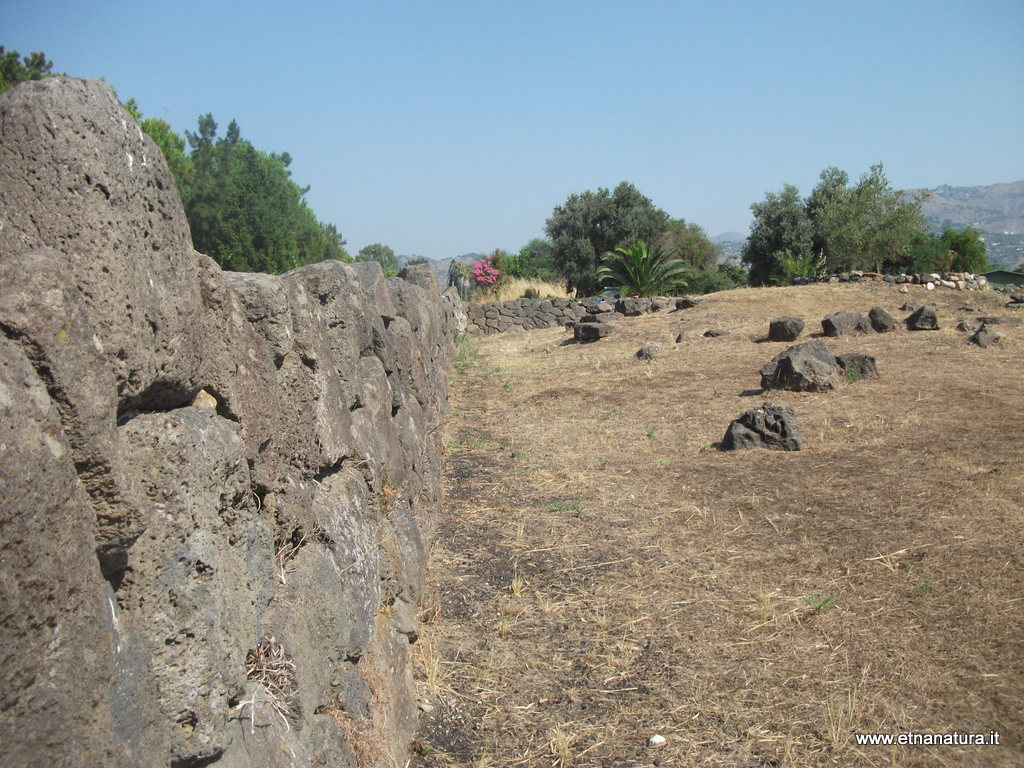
(729, 237)
(997, 211)
(998, 208)
(441, 266)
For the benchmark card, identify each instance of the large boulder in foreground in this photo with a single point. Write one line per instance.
(196, 466)
(807, 367)
(770, 426)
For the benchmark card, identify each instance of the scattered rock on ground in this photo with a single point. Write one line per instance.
(843, 323)
(651, 350)
(591, 331)
(785, 328)
(985, 336)
(685, 302)
(924, 319)
(857, 366)
(713, 332)
(770, 426)
(881, 320)
(807, 367)
(1000, 320)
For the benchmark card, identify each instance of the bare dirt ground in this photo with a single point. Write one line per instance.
(604, 574)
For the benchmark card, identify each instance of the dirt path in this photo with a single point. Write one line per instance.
(603, 575)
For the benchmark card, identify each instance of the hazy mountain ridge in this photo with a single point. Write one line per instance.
(996, 210)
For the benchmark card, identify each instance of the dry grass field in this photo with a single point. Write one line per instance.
(604, 574)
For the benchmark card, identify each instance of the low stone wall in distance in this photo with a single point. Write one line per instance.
(528, 314)
(522, 315)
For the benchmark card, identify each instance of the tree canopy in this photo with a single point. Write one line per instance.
(591, 224)
(781, 229)
(868, 225)
(15, 68)
(244, 209)
(383, 255)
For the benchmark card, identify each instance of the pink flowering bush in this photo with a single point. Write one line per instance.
(485, 274)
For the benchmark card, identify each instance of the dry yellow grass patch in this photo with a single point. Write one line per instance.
(603, 573)
(517, 288)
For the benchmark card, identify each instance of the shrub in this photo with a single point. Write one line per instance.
(636, 270)
(485, 274)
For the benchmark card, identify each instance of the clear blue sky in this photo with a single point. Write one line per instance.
(441, 127)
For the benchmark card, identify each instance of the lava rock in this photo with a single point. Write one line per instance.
(857, 366)
(924, 319)
(843, 323)
(651, 350)
(807, 367)
(881, 321)
(770, 427)
(785, 328)
(585, 332)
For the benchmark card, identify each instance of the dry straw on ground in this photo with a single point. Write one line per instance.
(518, 287)
(603, 574)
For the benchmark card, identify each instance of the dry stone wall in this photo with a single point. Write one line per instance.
(521, 315)
(528, 314)
(217, 490)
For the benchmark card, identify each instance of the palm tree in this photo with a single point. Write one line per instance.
(639, 271)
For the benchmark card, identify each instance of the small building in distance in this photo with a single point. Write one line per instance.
(1004, 277)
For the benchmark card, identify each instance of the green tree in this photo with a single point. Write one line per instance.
(866, 226)
(590, 224)
(689, 242)
(383, 255)
(244, 209)
(15, 68)
(967, 248)
(636, 270)
(781, 229)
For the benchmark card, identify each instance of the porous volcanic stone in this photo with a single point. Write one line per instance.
(857, 366)
(584, 332)
(881, 320)
(924, 319)
(785, 328)
(651, 350)
(807, 367)
(846, 322)
(985, 336)
(770, 426)
(685, 302)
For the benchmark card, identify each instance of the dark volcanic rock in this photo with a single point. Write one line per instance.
(584, 332)
(923, 319)
(985, 336)
(807, 367)
(881, 320)
(785, 329)
(846, 322)
(769, 426)
(632, 306)
(857, 366)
